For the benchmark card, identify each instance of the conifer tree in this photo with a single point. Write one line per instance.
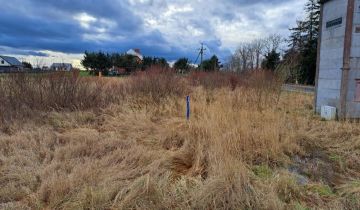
(303, 44)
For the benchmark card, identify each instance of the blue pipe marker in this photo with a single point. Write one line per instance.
(187, 107)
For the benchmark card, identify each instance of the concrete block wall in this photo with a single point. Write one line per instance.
(331, 55)
(353, 107)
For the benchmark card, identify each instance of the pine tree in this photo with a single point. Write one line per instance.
(303, 44)
(182, 65)
(213, 64)
(271, 60)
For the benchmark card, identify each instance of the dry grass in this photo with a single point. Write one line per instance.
(24, 95)
(238, 151)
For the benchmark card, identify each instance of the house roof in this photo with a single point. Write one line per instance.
(11, 60)
(61, 65)
(135, 52)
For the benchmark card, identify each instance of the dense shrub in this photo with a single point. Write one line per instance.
(23, 94)
(212, 80)
(262, 87)
(252, 79)
(265, 87)
(157, 84)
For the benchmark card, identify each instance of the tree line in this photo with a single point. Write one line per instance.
(294, 57)
(183, 65)
(260, 53)
(96, 62)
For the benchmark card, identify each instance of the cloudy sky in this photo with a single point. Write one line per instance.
(46, 31)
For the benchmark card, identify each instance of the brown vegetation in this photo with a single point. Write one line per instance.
(246, 146)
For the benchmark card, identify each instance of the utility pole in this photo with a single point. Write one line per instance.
(201, 55)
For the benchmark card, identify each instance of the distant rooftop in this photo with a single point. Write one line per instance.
(11, 60)
(135, 52)
(61, 65)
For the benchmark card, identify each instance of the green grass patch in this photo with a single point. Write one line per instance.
(339, 160)
(85, 74)
(299, 206)
(263, 171)
(322, 190)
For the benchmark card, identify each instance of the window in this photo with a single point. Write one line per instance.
(357, 29)
(357, 91)
(333, 23)
(2, 62)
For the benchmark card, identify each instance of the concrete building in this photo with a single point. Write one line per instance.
(338, 65)
(9, 64)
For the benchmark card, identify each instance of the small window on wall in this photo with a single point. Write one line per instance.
(357, 29)
(334, 23)
(357, 91)
(2, 62)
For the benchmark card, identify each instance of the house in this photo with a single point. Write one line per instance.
(338, 64)
(136, 53)
(45, 68)
(61, 67)
(10, 64)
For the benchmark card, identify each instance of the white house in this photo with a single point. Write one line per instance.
(136, 53)
(338, 65)
(8, 64)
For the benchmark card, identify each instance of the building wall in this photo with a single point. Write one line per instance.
(353, 107)
(331, 54)
(3, 64)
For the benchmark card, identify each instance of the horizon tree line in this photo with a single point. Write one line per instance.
(96, 62)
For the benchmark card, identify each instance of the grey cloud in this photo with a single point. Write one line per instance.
(50, 25)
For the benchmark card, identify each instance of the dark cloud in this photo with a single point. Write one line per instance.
(116, 25)
(16, 51)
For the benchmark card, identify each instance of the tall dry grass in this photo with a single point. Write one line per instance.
(24, 95)
(156, 85)
(235, 152)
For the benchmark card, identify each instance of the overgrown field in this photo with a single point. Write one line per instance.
(69, 142)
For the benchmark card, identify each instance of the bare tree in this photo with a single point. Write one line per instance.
(233, 63)
(249, 56)
(258, 45)
(242, 53)
(272, 42)
(39, 62)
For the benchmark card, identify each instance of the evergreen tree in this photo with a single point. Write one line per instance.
(162, 62)
(303, 44)
(154, 61)
(271, 60)
(213, 64)
(27, 65)
(182, 65)
(89, 61)
(97, 62)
